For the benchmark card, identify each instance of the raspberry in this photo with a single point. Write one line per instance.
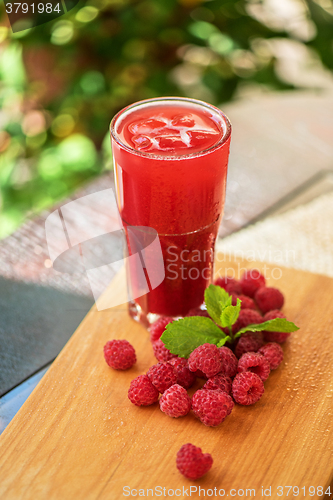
(229, 361)
(185, 377)
(273, 353)
(231, 285)
(223, 281)
(157, 328)
(205, 358)
(249, 342)
(142, 392)
(119, 354)
(199, 374)
(247, 302)
(273, 314)
(211, 407)
(175, 402)
(255, 363)
(251, 281)
(247, 388)
(219, 381)
(161, 352)
(268, 299)
(279, 337)
(198, 312)
(162, 376)
(246, 317)
(192, 463)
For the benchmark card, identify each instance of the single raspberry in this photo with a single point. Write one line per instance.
(234, 287)
(273, 353)
(205, 358)
(142, 392)
(231, 285)
(185, 377)
(247, 317)
(249, 342)
(161, 352)
(157, 328)
(247, 388)
(247, 302)
(175, 402)
(192, 463)
(269, 299)
(251, 281)
(119, 354)
(198, 312)
(223, 281)
(279, 337)
(211, 407)
(219, 381)
(162, 376)
(229, 361)
(273, 314)
(255, 363)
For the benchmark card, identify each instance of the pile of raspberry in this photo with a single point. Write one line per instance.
(234, 374)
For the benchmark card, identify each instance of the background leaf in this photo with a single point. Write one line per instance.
(71, 75)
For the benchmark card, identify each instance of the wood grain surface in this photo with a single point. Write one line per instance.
(79, 437)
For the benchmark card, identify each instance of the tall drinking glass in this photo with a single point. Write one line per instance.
(170, 160)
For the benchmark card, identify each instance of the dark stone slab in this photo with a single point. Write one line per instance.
(36, 321)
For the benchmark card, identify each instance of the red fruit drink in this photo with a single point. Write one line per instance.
(170, 160)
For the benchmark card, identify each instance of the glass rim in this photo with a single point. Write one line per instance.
(206, 105)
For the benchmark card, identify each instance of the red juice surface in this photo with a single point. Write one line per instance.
(165, 130)
(170, 159)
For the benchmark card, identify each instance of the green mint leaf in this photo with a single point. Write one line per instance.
(184, 335)
(224, 341)
(226, 298)
(273, 325)
(230, 314)
(216, 299)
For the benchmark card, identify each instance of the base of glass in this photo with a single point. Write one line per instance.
(136, 312)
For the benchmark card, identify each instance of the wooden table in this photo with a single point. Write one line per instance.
(78, 436)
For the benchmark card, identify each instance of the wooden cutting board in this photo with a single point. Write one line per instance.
(79, 437)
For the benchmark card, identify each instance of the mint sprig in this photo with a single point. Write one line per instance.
(216, 299)
(184, 335)
(181, 337)
(273, 325)
(220, 308)
(230, 315)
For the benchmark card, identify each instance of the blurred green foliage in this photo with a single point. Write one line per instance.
(61, 83)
